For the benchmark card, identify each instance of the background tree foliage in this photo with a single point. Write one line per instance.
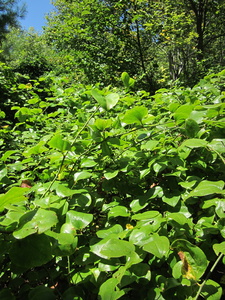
(9, 14)
(150, 40)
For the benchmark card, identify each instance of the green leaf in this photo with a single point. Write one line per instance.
(109, 291)
(172, 200)
(99, 98)
(14, 195)
(106, 151)
(150, 145)
(217, 145)
(140, 236)
(37, 149)
(148, 215)
(3, 173)
(194, 261)
(68, 228)
(111, 174)
(7, 154)
(212, 290)
(58, 143)
(219, 248)
(63, 191)
(39, 222)
(178, 218)
(33, 251)
(6, 294)
(116, 229)
(109, 248)
(135, 115)
(127, 81)
(191, 127)
(206, 188)
(88, 163)
(102, 124)
(63, 244)
(194, 143)
(111, 100)
(118, 211)
(183, 112)
(144, 172)
(82, 175)
(78, 219)
(43, 293)
(157, 245)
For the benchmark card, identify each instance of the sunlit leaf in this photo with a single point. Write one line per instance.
(194, 143)
(59, 143)
(206, 188)
(35, 222)
(111, 174)
(109, 291)
(82, 175)
(14, 195)
(118, 211)
(148, 215)
(212, 290)
(79, 220)
(135, 115)
(99, 98)
(194, 261)
(219, 248)
(157, 245)
(108, 248)
(111, 100)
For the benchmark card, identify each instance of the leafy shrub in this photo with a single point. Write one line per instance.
(123, 194)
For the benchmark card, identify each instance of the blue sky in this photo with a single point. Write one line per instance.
(36, 11)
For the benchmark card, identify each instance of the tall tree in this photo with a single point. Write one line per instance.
(10, 12)
(26, 52)
(148, 39)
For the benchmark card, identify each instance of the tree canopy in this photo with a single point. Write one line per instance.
(147, 39)
(10, 12)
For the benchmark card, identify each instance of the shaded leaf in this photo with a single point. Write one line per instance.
(212, 290)
(33, 251)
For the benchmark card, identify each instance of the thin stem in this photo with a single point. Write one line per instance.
(208, 275)
(68, 264)
(220, 156)
(65, 154)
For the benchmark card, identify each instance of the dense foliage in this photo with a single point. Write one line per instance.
(113, 194)
(112, 153)
(9, 14)
(154, 41)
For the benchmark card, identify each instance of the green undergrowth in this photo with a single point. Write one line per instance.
(112, 194)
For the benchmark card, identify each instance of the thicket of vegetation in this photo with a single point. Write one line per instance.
(112, 143)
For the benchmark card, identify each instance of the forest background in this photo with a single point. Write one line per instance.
(112, 151)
